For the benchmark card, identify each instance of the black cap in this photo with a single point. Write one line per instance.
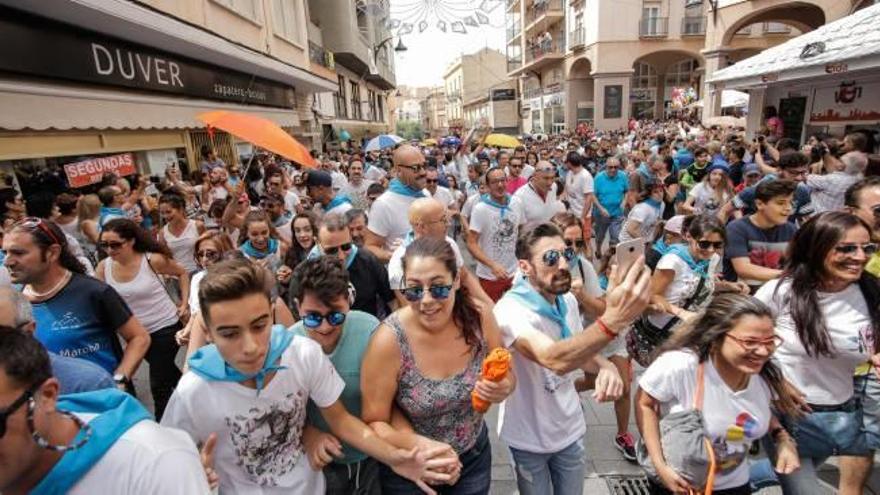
(319, 178)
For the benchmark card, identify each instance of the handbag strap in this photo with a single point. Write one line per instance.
(687, 304)
(159, 279)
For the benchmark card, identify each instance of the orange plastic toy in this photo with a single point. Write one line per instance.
(495, 368)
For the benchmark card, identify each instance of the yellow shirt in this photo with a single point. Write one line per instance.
(873, 266)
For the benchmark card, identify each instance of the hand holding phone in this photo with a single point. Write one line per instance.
(627, 252)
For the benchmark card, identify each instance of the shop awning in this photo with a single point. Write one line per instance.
(847, 45)
(37, 106)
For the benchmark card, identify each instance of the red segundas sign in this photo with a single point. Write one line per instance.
(87, 172)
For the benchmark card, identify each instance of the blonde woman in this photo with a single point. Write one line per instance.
(88, 211)
(710, 195)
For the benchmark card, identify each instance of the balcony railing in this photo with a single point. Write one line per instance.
(543, 49)
(693, 26)
(320, 56)
(576, 39)
(514, 64)
(654, 27)
(513, 31)
(541, 7)
(511, 3)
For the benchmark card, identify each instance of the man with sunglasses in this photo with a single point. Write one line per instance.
(323, 299)
(369, 278)
(94, 442)
(387, 225)
(542, 421)
(436, 191)
(515, 177)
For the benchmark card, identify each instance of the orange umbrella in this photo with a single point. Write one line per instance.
(261, 132)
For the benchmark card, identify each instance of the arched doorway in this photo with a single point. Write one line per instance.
(778, 19)
(658, 77)
(580, 106)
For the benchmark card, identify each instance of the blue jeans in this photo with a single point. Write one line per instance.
(610, 225)
(558, 472)
(867, 387)
(476, 473)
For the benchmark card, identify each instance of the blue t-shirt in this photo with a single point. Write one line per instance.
(803, 207)
(347, 359)
(81, 321)
(609, 192)
(78, 375)
(763, 247)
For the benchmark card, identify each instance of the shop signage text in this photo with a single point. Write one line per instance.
(849, 101)
(38, 47)
(87, 172)
(838, 68)
(503, 94)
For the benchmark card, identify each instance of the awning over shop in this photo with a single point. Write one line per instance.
(37, 106)
(847, 45)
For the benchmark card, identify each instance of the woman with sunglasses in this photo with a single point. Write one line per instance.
(828, 312)
(425, 359)
(180, 233)
(134, 268)
(725, 352)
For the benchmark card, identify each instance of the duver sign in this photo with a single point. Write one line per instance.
(87, 172)
(39, 47)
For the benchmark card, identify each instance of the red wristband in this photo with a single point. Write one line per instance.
(607, 331)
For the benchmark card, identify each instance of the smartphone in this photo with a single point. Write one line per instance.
(627, 253)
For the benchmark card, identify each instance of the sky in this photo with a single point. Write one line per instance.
(429, 53)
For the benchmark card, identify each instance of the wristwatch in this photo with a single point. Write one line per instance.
(121, 379)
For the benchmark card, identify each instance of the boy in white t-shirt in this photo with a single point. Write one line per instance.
(251, 388)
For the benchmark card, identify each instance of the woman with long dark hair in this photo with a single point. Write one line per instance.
(828, 312)
(729, 346)
(134, 267)
(425, 359)
(180, 233)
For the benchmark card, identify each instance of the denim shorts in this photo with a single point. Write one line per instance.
(867, 388)
(476, 473)
(829, 431)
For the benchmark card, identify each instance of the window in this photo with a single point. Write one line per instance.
(339, 100)
(682, 74)
(361, 13)
(380, 105)
(371, 98)
(651, 19)
(644, 76)
(356, 110)
(245, 8)
(286, 16)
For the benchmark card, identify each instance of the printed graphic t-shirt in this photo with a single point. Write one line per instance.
(259, 436)
(81, 321)
(763, 247)
(497, 235)
(732, 419)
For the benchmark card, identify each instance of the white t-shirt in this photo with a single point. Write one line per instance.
(217, 192)
(732, 419)
(374, 173)
(443, 195)
(339, 209)
(543, 414)
(194, 282)
(536, 210)
(469, 203)
(388, 217)
(684, 284)
(146, 459)
(577, 186)
(358, 194)
(647, 216)
(824, 380)
(705, 200)
(395, 264)
(339, 181)
(291, 200)
(497, 235)
(583, 269)
(527, 171)
(259, 436)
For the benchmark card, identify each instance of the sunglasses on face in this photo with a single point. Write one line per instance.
(208, 254)
(752, 345)
(439, 292)
(703, 244)
(314, 319)
(575, 243)
(414, 168)
(335, 250)
(110, 245)
(868, 248)
(10, 410)
(551, 257)
(431, 181)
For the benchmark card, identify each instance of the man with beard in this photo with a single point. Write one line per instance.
(542, 421)
(356, 188)
(216, 187)
(357, 225)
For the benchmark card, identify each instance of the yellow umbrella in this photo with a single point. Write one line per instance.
(502, 140)
(431, 142)
(261, 132)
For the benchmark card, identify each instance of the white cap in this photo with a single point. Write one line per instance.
(675, 224)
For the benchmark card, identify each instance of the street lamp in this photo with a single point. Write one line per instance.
(399, 48)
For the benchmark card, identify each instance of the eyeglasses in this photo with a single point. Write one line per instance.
(868, 248)
(314, 319)
(444, 220)
(335, 250)
(703, 244)
(515, 165)
(39, 224)
(431, 181)
(752, 345)
(415, 168)
(10, 410)
(576, 243)
(551, 257)
(110, 245)
(208, 254)
(439, 292)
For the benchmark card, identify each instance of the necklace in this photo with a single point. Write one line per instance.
(32, 294)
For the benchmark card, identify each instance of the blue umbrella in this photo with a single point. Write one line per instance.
(382, 141)
(452, 141)
(344, 135)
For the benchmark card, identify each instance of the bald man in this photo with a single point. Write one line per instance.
(387, 223)
(75, 375)
(427, 218)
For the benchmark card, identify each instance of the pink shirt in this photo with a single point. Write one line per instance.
(514, 183)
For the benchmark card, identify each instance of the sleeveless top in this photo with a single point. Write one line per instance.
(182, 246)
(145, 296)
(439, 409)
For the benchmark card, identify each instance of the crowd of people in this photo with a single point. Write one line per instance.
(338, 320)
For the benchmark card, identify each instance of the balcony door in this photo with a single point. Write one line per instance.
(651, 19)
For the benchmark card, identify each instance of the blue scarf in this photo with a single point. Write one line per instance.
(660, 246)
(400, 188)
(701, 267)
(316, 253)
(283, 219)
(116, 412)
(252, 252)
(409, 238)
(654, 202)
(338, 200)
(523, 292)
(491, 202)
(107, 211)
(210, 365)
